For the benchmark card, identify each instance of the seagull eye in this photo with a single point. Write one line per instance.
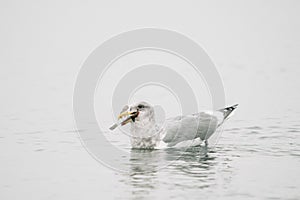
(141, 106)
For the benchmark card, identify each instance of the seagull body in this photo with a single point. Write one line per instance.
(178, 131)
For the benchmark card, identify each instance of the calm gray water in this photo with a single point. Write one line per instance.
(255, 46)
(258, 159)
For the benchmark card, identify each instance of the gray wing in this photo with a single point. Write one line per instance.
(201, 125)
(189, 127)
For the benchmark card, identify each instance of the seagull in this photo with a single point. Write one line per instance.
(175, 132)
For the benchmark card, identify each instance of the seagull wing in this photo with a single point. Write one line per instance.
(200, 125)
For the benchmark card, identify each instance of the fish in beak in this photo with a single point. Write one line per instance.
(124, 118)
(127, 117)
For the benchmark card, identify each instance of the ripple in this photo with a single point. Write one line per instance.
(295, 154)
(39, 150)
(293, 130)
(29, 132)
(253, 128)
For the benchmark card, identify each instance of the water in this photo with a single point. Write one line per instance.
(248, 162)
(255, 46)
(253, 160)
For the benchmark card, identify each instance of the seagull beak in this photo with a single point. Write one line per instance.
(123, 114)
(128, 116)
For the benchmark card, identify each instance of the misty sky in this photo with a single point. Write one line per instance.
(255, 46)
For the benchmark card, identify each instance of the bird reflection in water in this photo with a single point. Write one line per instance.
(151, 169)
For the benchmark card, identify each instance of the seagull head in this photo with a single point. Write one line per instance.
(137, 113)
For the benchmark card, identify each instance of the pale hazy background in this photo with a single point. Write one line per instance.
(254, 44)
